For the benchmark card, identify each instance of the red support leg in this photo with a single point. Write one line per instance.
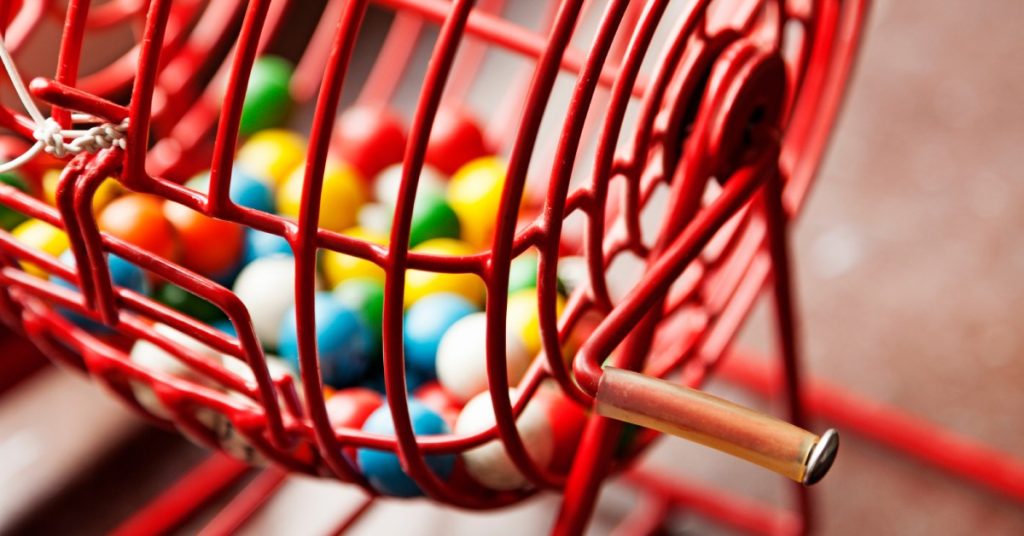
(782, 294)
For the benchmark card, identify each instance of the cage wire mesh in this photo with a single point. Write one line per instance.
(653, 155)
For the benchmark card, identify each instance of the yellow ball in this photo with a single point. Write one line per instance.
(343, 195)
(474, 192)
(522, 317)
(420, 283)
(338, 267)
(107, 191)
(272, 155)
(40, 236)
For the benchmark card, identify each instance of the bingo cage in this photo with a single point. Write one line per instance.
(688, 141)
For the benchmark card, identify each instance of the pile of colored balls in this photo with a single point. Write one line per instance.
(457, 200)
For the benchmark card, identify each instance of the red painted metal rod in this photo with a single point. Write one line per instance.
(246, 503)
(890, 426)
(183, 499)
(730, 510)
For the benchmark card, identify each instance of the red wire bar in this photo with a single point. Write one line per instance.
(182, 500)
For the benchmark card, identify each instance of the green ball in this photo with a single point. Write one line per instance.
(432, 217)
(522, 274)
(185, 302)
(10, 218)
(364, 296)
(268, 99)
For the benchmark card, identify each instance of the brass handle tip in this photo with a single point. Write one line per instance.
(821, 457)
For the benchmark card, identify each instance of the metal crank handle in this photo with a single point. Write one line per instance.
(709, 420)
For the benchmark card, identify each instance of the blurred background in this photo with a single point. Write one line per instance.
(909, 282)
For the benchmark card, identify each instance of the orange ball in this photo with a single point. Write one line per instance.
(209, 246)
(139, 220)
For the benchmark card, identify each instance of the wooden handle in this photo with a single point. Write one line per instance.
(717, 423)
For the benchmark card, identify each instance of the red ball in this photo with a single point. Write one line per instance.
(567, 422)
(209, 246)
(139, 219)
(455, 139)
(349, 408)
(432, 395)
(369, 139)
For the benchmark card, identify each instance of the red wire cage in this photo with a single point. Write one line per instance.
(727, 121)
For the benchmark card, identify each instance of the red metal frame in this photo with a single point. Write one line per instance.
(724, 101)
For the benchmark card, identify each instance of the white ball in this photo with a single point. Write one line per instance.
(231, 441)
(375, 217)
(267, 288)
(462, 357)
(489, 464)
(155, 359)
(388, 182)
(277, 367)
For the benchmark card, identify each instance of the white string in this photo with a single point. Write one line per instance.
(49, 135)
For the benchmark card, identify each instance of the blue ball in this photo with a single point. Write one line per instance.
(224, 325)
(122, 274)
(259, 244)
(426, 322)
(246, 190)
(383, 469)
(413, 380)
(343, 341)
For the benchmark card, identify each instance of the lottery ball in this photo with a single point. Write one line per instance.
(271, 155)
(375, 217)
(462, 358)
(338, 267)
(156, 360)
(366, 297)
(349, 408)
(123, 274)
(568, 420)
(267, 98)
(209, 246)
(229, 438)
(523, 318)
(369, 139)
(183, 301)
(419, 283)
(139, 220)
(276, 367)
(411, 381)
(246, 189)
(455, 139)
(10, 218)
(426, 322)
(342, 196)
(40, 236)
(432, 395)
(432, 218)
(489, 464)
(475, 194)
(107, 191)
(343, 341)
(383, 469)
(389, 181)
(259, 244)
(267, 288)
(522, 274)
